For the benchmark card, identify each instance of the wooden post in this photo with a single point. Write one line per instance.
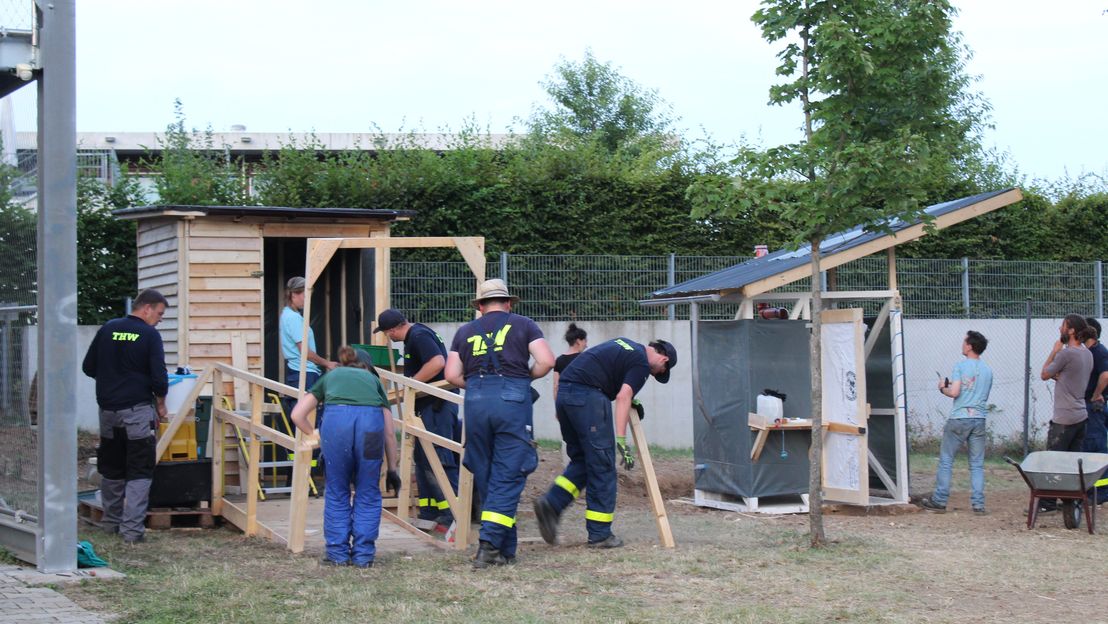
(465, 505)
(892, 268)
(656, 502)
(255, 459)
(407, 455)
(215, 426)
(240, 361)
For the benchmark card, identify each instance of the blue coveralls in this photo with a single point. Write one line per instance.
(352, 440)
(440, 417)
(500, 452)
(585, 416)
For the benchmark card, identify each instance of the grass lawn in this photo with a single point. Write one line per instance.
(727, 567)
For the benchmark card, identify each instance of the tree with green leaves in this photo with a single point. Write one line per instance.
(887, 120)
(106, 253)
(192, 170)
(593, 101)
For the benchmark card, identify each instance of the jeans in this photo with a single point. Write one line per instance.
(353, 442)
(957, 431)
(1096, 428)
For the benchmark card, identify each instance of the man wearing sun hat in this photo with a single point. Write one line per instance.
(611, 371)
(489, 357)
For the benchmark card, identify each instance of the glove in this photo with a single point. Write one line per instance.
(392, 481)
(626, 457)
(635, 405)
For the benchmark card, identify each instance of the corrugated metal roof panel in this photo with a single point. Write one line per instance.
(757, 269)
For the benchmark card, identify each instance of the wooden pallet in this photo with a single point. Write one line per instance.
(91, 512)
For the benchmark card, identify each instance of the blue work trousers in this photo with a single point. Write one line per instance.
(957, 431)
(440, 417)
(1096, 428)
(353, 443)
(500, 452)
(585, 416)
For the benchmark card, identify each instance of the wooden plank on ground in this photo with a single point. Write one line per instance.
(665, 534)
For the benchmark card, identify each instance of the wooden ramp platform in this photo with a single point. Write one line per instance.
(274, 513)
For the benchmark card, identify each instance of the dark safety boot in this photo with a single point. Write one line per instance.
(488, 556)
(608, 542)
(548, 520)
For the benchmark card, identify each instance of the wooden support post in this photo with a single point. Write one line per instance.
(256, 400)
(892, 268)
(215, 427)
(656, 502)
(462, 513)
(241, 362)
(407, 456)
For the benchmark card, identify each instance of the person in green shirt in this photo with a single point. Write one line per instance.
(355, 438)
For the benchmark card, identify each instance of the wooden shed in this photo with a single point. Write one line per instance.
(224, 269)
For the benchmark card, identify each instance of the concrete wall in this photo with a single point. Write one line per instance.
(88, 418)
(930, 346)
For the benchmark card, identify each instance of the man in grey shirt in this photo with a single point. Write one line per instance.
(1069, 365)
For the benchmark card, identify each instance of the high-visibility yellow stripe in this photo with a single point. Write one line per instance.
(598, 516)
(292, 456)
(442, 505)
(424, 502)
(1101, 483)
(567, 485)
(492, 516)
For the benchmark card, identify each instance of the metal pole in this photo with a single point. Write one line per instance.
(504, 266)
(1098, 288)
(57, 287)
(6, 363)
(965, 285)
(1027, 382)
(671, 272)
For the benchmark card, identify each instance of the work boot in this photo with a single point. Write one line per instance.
(548, 520)
(488, 556)
(608, 542)
(931, 505)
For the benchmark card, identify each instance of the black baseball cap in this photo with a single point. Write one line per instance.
(670, 352)
(388, 319)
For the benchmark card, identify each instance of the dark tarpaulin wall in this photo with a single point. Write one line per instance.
(736, 361)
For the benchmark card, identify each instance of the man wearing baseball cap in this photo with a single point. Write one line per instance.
(611, 371)
(424, 360)
(489, 357)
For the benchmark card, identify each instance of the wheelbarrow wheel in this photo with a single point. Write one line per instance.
(1071, 514)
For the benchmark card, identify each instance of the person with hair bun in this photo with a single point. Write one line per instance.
(355, 438)
(578, 341)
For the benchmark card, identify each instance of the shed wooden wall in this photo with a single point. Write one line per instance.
(158, 243)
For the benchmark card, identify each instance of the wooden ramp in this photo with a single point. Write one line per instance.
(274, 513)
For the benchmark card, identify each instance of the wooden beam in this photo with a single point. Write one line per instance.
(655, 494)
(215, 431)
(407, 456)
(183, 292)
(892, 268)
(876, 466)
(187, 408)
(253, 462)
(473, 250)
(263, 432)
(237, 516)
(462, 515)
(875, 331)
(882, 243)
(423, 388)
(240, 361)
(257, 380)
(403, 524)
(403, 242)
(320, 251)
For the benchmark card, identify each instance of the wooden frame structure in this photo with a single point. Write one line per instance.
(319, 253)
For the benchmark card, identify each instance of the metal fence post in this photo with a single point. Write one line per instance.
(1098, 287)
(1027, 383)
(504, 266)
(671, 272)
(965, 285)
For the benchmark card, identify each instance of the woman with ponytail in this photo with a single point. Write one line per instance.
(355, 438)
(578, 341)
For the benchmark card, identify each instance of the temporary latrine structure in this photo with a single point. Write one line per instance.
(744, 461)
(224, 268)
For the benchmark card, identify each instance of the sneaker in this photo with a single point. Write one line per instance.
(488, 556)
(931, 505)
(548, 520)
(980, 511)
(608, 542)
(131, 541)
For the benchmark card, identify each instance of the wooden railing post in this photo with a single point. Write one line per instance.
(215, 428)
(254, 468)
(407, 451)
(652, 490)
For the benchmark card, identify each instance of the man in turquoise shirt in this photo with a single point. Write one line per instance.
(969, 385)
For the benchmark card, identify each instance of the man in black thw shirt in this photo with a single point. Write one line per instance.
(127, 361)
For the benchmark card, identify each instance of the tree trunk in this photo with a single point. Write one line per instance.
(815, 451)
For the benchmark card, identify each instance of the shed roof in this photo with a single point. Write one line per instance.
(272, 212)
(760, 275)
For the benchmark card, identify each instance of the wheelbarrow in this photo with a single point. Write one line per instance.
(1066, 476)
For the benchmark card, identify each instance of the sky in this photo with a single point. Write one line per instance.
(361, 66)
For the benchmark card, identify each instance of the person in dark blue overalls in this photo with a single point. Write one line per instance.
(424, 360)
(611, 371)
(356, 435)
(489, 358)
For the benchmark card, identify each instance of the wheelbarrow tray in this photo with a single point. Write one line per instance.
(1058, 470)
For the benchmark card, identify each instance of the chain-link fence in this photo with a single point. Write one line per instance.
(601, 288)
(17, 15)
(18, 440)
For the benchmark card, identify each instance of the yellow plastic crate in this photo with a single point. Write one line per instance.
(183, 445)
